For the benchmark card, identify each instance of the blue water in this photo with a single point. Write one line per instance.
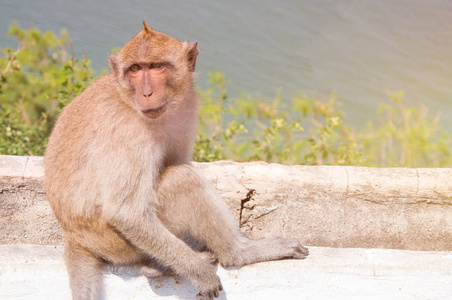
(355, 49)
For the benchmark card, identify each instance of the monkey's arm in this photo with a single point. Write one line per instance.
(148, 234)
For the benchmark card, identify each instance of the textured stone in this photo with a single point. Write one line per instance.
(329, 206)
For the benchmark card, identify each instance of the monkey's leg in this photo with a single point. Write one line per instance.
(85, 273)
(146, 232)
(187, 202)
(154, 270)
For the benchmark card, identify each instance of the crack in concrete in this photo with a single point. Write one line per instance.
(417, 188)
(266, 213)
(249, 197)
(348, 180)
(25, 168)
(405, 201)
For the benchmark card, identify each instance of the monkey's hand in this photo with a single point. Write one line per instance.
(207, 281)
(210, 293)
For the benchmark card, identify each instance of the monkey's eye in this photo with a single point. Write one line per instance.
(157, 66)
(135, 68)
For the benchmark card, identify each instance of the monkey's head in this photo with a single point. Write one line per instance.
(155, 70)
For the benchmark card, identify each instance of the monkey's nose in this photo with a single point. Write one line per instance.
(146, 95)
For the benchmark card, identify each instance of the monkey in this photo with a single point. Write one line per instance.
(119, 178)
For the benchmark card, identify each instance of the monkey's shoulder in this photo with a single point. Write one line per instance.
(100, 91)
(100, 103)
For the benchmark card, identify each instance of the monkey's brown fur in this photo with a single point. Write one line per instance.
(119, 179)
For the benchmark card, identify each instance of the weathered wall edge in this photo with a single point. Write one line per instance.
(333, 206)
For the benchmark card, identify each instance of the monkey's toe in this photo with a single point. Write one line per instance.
(304, 250)
(209, 257)
(301, 252)
(150, 272)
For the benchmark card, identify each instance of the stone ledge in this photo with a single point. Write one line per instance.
(38, 272)
(329, 206)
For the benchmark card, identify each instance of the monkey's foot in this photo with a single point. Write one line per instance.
(266, 249)
(293, 248)
(301, 252)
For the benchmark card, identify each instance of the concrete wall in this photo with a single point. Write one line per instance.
(327, 206)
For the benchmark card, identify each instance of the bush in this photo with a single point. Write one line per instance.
(247, 128)
(36, 80)
(407, 136)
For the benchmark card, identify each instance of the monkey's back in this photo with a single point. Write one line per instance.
(91, 139)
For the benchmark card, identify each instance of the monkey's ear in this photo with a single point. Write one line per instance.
(192, 54)
(113, 60)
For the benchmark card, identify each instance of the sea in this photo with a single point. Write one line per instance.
(357, 50)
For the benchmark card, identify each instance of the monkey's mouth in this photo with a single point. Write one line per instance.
(155, 112)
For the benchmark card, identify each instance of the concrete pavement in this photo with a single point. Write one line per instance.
(37, 272)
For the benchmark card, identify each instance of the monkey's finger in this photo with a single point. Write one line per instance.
(217, 292)
(210, 296)
(200, 297)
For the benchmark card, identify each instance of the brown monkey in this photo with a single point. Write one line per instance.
(119, 178)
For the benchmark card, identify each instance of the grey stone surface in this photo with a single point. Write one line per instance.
(328, 206)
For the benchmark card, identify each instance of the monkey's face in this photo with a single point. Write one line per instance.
(150, 81)
(154, 69)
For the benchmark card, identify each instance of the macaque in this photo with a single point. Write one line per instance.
(119, 178)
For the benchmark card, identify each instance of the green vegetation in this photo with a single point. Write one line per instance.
(42, 75)
(36, 80)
